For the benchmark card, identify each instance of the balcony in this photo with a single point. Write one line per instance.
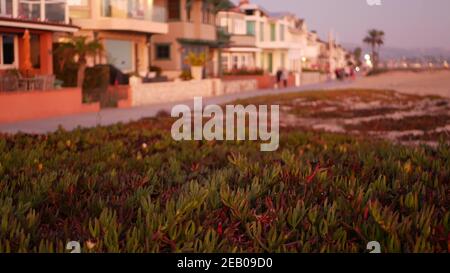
(243, 41)
(132, 9)
(50, 11)
(122, 15)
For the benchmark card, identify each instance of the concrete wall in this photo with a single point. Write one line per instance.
(18, 106)
(313, 78)
(153, 93)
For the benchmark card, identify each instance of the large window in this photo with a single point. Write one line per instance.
(174, 10)
(53, 10)
(162, 51)
(30, 9)
(7, 50)
(6, 8)
(251, 28)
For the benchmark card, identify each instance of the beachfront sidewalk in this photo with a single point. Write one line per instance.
(111, 116)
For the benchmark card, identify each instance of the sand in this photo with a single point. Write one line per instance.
(423, 83)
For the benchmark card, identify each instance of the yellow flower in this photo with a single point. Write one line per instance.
(407, 167)
(90, 244)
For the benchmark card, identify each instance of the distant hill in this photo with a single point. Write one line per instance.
(399, 53)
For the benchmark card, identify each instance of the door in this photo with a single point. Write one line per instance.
(270, 62)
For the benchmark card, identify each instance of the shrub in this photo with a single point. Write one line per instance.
(131, 188)
(186, 75)
(96, 83)
(194, 59)
(244, 72)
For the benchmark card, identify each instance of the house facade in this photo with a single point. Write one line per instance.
(241, 53)
(125, 27)
(43, 19)
(191, 28)
(281, 38)
(270, 36)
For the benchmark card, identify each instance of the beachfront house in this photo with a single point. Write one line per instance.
(191, 28)
(27, 33)
(241, 52)
(125, 27)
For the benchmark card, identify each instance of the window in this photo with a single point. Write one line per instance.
(204, 12)
(270, 62)
(189, 4)
(207, 15)
(261, 32)
(251, 28)
(235, 62)
(273, 34)
(243, 61)
(188, 13)
(7, 50)
(250, 12)
(225, 63)
(6, 8)
(55, 11)
(174, 12)
(162, 51)
(30, 9)
(281, 32)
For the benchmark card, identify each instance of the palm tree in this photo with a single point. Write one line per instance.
(357, 53)
(80, 49)
(375, 38)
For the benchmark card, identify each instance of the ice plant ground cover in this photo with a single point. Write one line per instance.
(132, 188)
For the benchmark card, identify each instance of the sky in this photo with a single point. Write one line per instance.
(407, 23)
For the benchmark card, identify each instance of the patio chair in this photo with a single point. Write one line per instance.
(49, 82)
(38, 83)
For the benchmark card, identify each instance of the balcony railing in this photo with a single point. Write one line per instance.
(54, 11)
(134, 9)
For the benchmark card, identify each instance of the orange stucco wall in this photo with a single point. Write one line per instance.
(18, 106)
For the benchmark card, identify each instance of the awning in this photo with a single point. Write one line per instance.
(209, 43)
(36, 25)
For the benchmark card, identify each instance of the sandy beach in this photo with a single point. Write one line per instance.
(422, 83)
